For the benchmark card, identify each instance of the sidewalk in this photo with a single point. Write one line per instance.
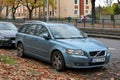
(104, 33)
(104, 36)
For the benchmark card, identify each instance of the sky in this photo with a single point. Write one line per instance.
(102, 2)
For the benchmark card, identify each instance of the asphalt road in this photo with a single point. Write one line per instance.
(114, 47)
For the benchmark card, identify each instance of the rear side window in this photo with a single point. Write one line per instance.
(38, 29)
(41, 31)
(23, 28)
(31, 30)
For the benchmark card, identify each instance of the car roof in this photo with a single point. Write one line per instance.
(45, 23)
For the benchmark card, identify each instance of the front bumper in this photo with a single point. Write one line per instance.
(7, 42)
(75, 61)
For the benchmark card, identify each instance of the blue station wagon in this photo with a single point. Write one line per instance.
(61, 44)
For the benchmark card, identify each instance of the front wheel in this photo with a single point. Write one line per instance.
(20, 50)
(58, 61)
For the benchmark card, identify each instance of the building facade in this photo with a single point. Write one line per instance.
(72, 8)
(62, 9)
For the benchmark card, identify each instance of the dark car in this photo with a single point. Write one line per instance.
(61, 44)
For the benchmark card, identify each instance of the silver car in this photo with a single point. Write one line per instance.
(7, 34)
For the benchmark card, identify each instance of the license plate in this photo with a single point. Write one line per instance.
(101, 59)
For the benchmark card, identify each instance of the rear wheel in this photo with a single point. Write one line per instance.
(20, 50)
(58, 61)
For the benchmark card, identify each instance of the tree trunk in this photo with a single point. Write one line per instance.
(30, 13)
(93, 11)
(0, 11)
(44, 12)
(6, 11)
(39, 13)
(13, 15)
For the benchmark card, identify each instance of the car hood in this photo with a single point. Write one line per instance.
(86, 44)
(8, 33)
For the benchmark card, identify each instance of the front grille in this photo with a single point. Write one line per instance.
(12, 38)
(97, 53)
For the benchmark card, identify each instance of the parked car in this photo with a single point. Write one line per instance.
(86, 19)
(7, 34)
(61, 44)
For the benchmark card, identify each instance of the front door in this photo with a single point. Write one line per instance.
(41, 45)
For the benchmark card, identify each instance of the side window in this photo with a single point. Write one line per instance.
(42, 31)
(38, 29)
(23, 28)
(31, 29)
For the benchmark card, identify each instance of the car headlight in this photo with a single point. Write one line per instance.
(74, 51)
(3, 37)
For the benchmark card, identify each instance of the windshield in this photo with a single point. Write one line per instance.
(7, 26)
(64, 31)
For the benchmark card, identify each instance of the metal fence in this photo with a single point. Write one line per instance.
(99, 24)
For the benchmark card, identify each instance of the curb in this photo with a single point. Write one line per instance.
(104, 36)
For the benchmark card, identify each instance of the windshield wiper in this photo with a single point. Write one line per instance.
(60, 38)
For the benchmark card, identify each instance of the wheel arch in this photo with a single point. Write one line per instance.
(18, 43)
(53, 52)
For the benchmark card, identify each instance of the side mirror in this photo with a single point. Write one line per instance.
(46, 37)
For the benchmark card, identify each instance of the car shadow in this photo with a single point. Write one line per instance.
(83, 71)
(73, 70)
(8, 47)
(87, 70)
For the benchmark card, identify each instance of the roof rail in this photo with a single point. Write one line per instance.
(34, 21)
(63, 22)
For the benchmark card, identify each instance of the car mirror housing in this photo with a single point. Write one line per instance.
(46, 37)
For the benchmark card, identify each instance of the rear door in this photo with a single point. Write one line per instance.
(29, 39)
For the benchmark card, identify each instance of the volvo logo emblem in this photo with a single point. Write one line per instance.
(98, 53)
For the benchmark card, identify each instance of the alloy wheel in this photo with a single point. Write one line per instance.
(20, 50)
(58, 61)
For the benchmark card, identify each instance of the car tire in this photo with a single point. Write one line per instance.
(20, 50)
(58, 61)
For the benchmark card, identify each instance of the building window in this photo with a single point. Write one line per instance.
(50, 13)
(75, 1)
(18, 14)
(55, 13)
(86, 1)
(86, 11)
(75, 11)
(55, 2)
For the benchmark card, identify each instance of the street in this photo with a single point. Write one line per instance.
(47, 72)
(114, 48)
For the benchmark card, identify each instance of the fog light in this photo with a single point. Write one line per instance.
(79, 64)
